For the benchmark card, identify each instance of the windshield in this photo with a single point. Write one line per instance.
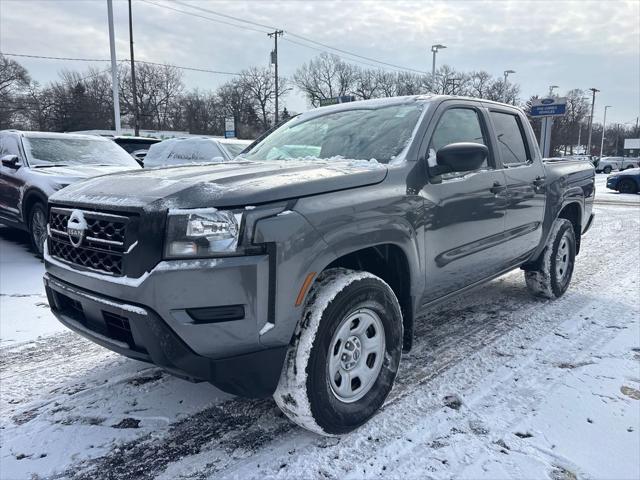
(47, 151)
(234, 149)
(178, 151)
(380, 134)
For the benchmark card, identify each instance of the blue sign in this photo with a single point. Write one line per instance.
(549, 107)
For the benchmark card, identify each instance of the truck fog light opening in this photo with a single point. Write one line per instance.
(183, 248)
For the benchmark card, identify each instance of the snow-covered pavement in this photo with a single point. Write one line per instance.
(498, 385)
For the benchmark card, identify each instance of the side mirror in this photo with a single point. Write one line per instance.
(11, 161)
(460, 157)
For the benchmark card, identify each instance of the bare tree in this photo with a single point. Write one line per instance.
(158, 88)
(14, 80)
(260, 83)
(325, 76)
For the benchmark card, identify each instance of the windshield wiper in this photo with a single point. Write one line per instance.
(51, 165)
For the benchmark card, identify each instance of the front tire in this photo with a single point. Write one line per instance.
(344, 355)
(38, 228)
(554, 269)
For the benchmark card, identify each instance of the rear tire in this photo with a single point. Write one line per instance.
(607, 170)
(555, 266)
(627, 186)
(38, 228)
(344, 355)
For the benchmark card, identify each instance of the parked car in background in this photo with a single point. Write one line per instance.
(627, 181)
(137, 147)
(301, 276)
(609, 164)
(178, 151)
(37, 164)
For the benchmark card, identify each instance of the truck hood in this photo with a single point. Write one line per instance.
(73, 173)
(238, 183)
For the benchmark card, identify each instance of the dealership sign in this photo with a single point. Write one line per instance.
(335, 100)
(229, 127)
(549, 107)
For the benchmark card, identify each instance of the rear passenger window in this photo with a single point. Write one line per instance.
(458, 125)
(510, 136)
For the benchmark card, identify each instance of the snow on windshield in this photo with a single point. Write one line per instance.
(178, 151)
(75, 151)
(362, 134)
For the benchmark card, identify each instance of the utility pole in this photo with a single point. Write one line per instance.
(274, 60)
(551, 89)
(134, 92)
(604, 126)
(593, 103)
(114, 70)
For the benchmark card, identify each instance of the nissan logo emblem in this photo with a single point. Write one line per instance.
(76, 228)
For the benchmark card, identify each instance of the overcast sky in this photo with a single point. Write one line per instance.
(573, 44)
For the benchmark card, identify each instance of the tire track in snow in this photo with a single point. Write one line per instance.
(227, 438)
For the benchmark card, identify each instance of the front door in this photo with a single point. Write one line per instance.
(465, 212)
(11, 181)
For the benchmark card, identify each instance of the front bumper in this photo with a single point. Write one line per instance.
(227, 353)
(612, 183)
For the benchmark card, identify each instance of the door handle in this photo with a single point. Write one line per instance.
(497, 187)
(539, 181)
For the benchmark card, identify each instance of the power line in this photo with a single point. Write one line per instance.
(203, 17)
(216, 20)
(293, 34)
(93, 60)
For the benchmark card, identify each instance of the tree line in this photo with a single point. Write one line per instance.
(82, 100)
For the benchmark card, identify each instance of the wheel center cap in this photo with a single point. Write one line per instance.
(351, 353)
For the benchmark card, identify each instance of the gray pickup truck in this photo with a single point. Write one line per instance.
(297, 270)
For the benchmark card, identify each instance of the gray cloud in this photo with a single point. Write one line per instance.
(572, 44)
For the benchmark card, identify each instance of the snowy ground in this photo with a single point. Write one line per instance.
(499, 385)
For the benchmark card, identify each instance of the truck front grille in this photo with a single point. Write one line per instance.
(104, 244)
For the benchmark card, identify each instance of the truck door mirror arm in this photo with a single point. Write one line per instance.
(11, 161)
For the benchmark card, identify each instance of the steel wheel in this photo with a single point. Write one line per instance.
(563, 258)
(38, 227)
(355, 355)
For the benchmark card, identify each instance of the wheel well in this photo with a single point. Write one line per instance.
(573, 213)
(31, 198)
(390, 263)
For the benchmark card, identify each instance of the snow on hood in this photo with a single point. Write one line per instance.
(235, 183)
(80, 171)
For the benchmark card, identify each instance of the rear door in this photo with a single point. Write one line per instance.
(526, 182)
(11, 181)
(464, 215)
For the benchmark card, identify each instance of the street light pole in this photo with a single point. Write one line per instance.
(552, 88)
(134, 92)
(434, 49)
(604, 126)
(504, 94)
(593, 103)
(114, 71)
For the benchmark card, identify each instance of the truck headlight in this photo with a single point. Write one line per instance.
(201, 232)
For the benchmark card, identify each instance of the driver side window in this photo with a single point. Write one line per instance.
(457, 125)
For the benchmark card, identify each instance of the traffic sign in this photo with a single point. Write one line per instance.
(549, 107)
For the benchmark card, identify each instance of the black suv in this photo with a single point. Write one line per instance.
(36, 164)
